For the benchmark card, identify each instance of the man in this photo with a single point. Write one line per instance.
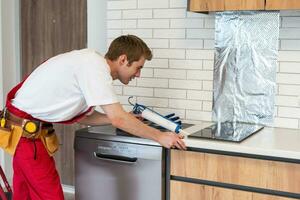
(65, 89)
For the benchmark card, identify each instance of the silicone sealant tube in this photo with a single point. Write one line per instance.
(160, 120)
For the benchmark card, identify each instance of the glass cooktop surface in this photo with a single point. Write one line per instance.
(228, 131)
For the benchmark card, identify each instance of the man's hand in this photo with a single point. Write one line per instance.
(138, 116)
(171, 140)
(127, 122)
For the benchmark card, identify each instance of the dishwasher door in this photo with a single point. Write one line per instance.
(109, 170)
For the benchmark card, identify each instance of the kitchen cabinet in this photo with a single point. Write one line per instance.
(282, 4)
(221, 5)
(182, 190)
(202, 175)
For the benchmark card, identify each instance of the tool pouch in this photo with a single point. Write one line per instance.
(9, 138)
(5, 132)
(51, 142)
(5, 136)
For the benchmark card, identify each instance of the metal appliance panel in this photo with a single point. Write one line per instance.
(111, 170)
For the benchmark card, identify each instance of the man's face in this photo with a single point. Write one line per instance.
(129, 71)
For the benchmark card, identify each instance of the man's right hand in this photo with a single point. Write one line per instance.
(127, 122)
(171, 140)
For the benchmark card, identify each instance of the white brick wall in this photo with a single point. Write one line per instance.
(152, 82)
(122, 5)
(169, 73)
(178, 3)
(114, 14)
(169, 13)
(179, 78)
(158, 102)
(169, 33)
(185, 84)
(200, 54)
(153, 4)
(185, 64)
(200, 75)
(169, 53)
(186, 44)
(170, 93)
(137, 14)
(153, 23)
(157, 63)
(186, 23)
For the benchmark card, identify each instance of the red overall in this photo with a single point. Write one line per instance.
(34, 179)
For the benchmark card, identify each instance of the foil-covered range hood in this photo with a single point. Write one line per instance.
(246, 51)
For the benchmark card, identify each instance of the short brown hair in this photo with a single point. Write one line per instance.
(130, 45)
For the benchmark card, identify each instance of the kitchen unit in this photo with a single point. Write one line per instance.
(222, 5)
(111, 164)
(264, 166)
(282, 4)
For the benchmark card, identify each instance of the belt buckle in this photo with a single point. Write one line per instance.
(30, 126)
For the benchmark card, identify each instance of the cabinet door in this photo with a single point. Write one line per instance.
(267, 174)
(51, 27)
(220, 5)
(190, 191)
(282, 4)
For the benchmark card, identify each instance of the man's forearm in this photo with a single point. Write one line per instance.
(131, 124)
(127, 122)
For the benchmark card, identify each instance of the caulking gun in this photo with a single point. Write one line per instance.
(157, 118)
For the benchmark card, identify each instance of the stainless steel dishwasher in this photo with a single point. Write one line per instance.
(111, 165)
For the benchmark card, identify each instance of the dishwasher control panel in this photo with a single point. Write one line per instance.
(117, 148)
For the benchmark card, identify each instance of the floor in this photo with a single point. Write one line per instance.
(69, 196)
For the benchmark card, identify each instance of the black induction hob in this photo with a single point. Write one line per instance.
(228, 131)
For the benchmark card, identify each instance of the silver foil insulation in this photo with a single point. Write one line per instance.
(246, 51)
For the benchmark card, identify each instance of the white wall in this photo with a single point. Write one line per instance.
(2, 160)
(96, 15)
(96, 27)
(10, 44)
(180, 77)
(1, 66)
(9, 60)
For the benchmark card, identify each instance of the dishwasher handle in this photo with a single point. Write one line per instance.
(115, 158)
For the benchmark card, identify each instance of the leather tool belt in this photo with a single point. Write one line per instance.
(31, 128)
(13, 128)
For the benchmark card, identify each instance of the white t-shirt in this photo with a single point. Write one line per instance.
(66, 86)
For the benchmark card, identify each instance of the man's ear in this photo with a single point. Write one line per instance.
(123, 59)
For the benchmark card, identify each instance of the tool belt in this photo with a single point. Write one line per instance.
(31, 128)
(12, 128)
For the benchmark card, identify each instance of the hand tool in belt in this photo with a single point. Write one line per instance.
(3, 120)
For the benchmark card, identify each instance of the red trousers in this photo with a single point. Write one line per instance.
(35, 179)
